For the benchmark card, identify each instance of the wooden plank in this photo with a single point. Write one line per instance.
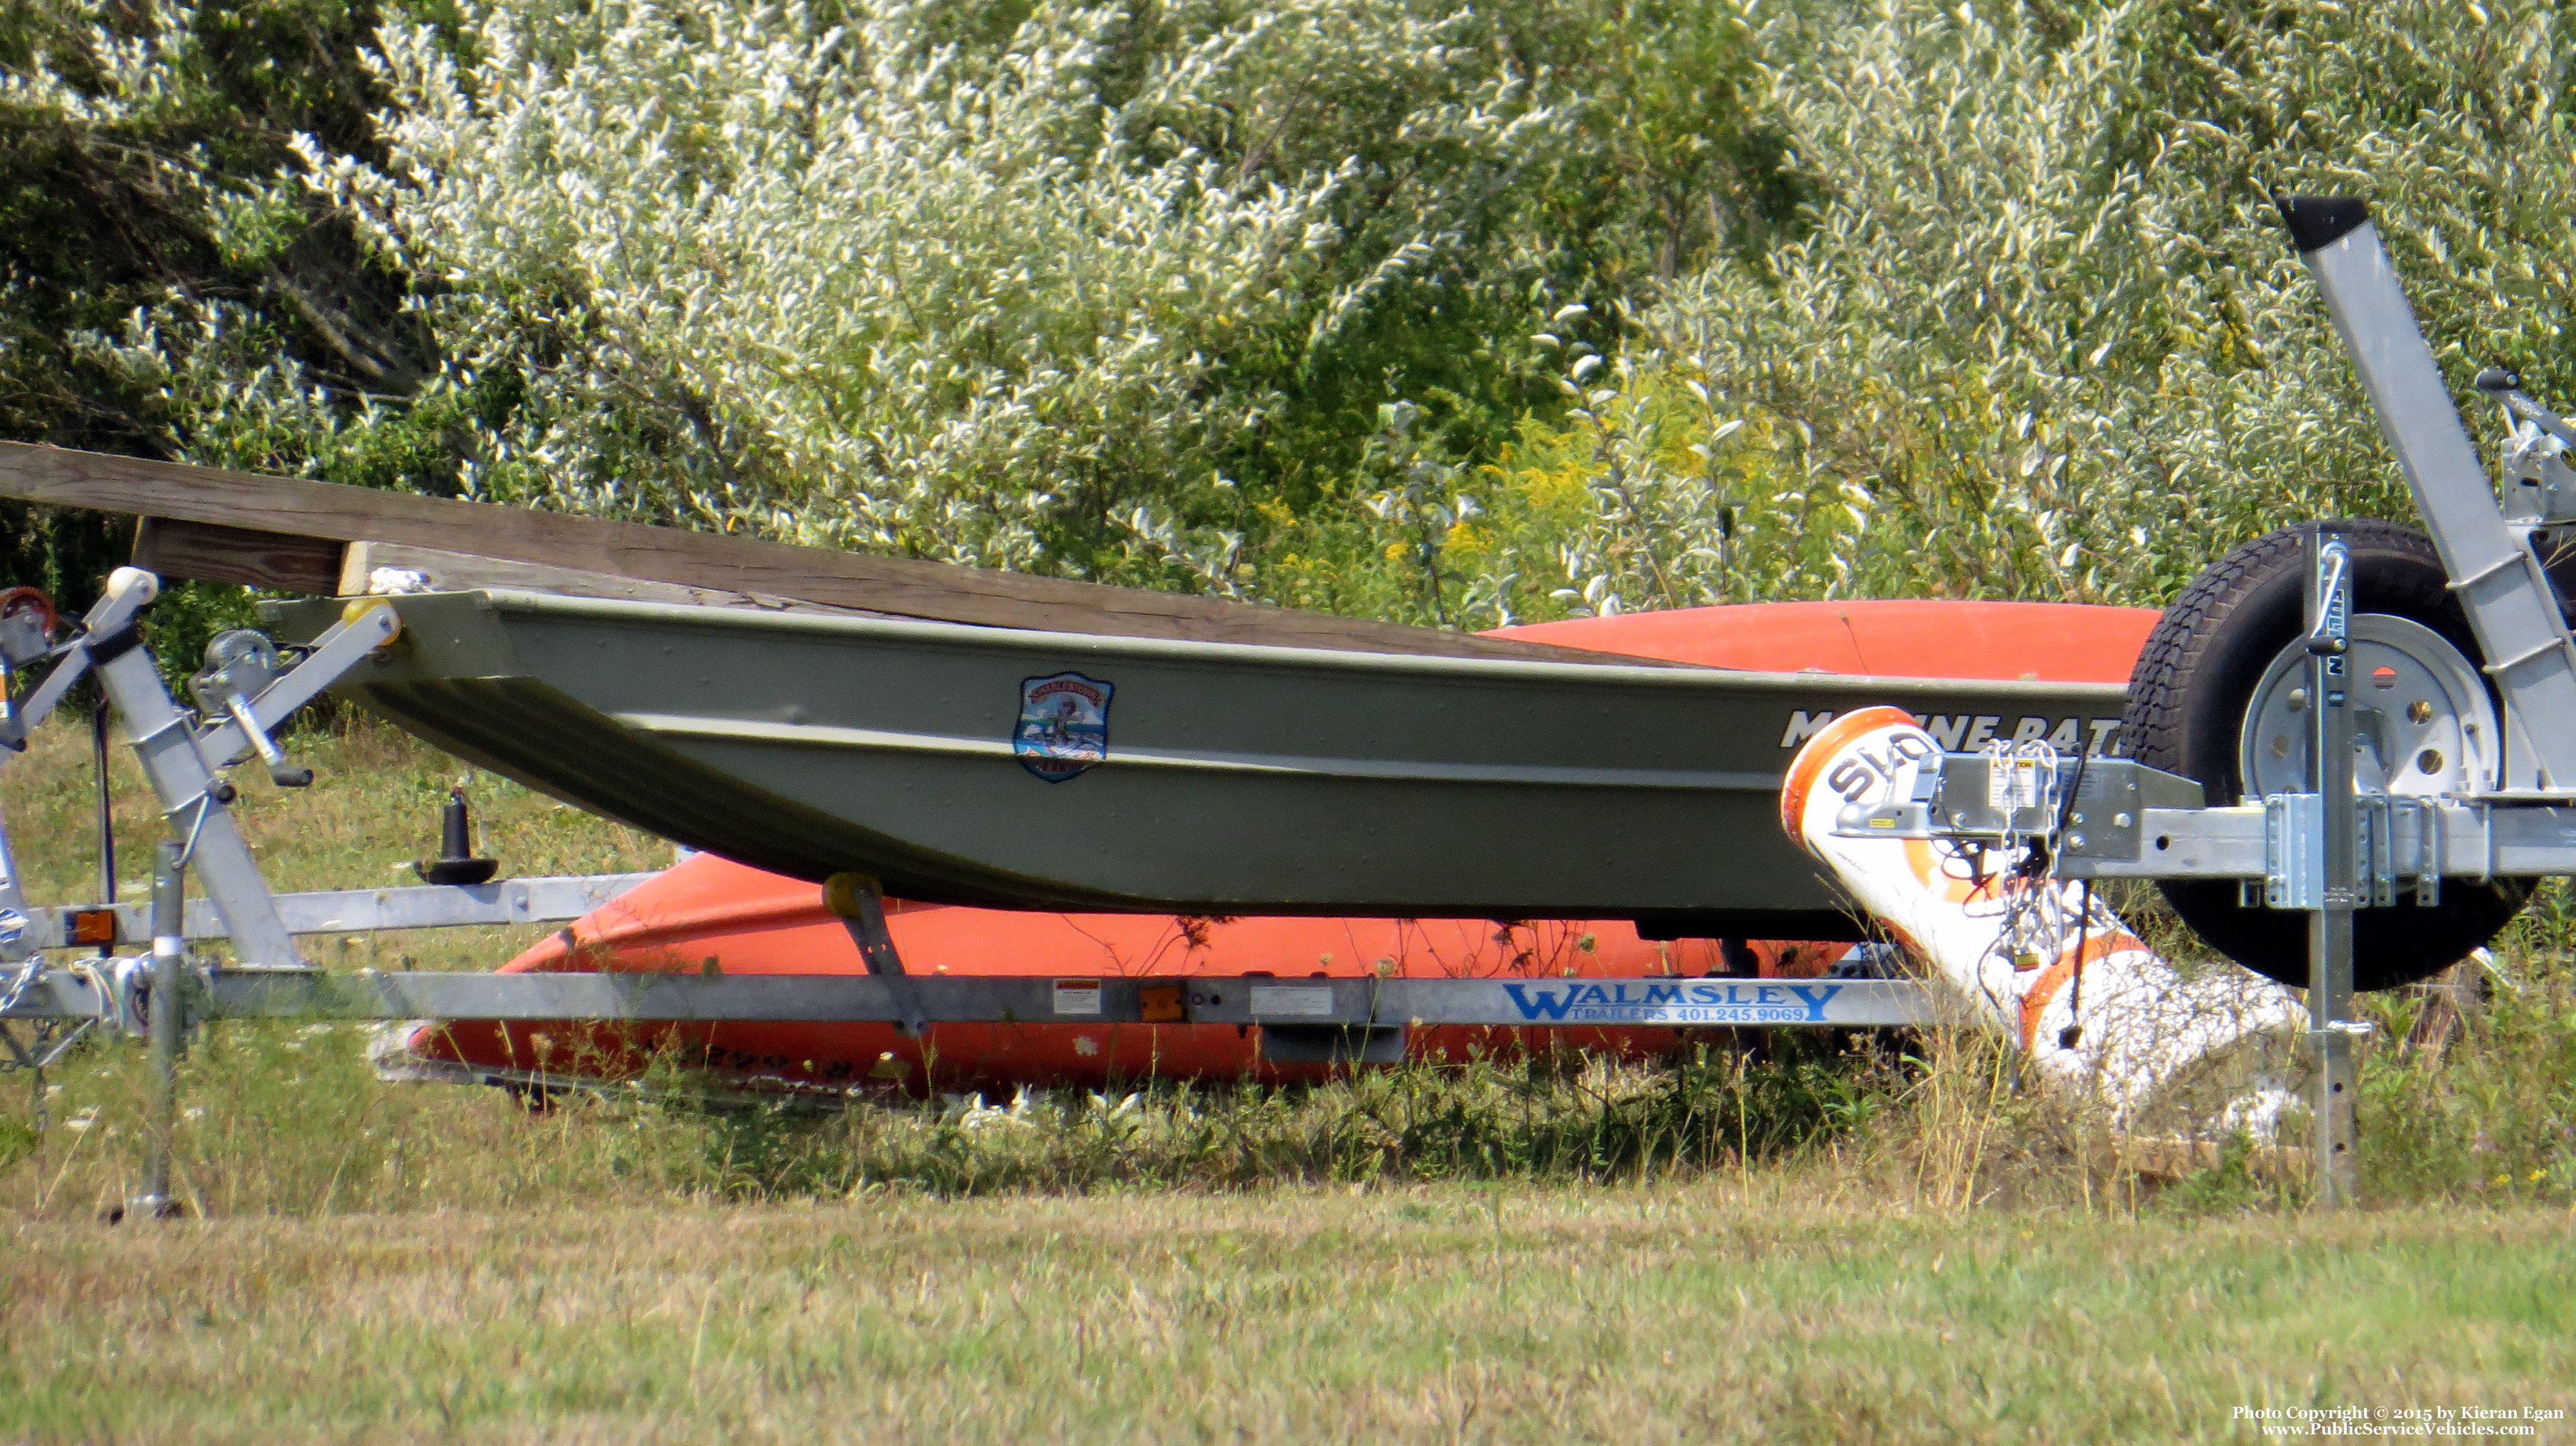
(218, 553)
(443, 571)
(901, 587)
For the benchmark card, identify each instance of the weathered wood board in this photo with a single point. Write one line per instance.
(238, 554)
(282, 509)
(441, 571)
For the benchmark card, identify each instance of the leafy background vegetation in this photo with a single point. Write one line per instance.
(1393, 307)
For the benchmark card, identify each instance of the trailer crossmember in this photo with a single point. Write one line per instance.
(1669, 1001)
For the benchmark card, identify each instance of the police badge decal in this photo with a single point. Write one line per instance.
(1064, 725)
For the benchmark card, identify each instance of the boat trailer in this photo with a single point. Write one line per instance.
(2337, 818)
(249, 688)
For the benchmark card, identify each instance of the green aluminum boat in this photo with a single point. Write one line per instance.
(1000, 767)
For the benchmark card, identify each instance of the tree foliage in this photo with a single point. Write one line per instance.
(1447, 313)
(1106, 291)
(2044, 336)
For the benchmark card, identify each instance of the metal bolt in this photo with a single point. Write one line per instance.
(2298, 700)
(2120, 820)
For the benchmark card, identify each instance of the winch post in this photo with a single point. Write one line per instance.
(2512, 608)
(2329, 619)
(167, 1023)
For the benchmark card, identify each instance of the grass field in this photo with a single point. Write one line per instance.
(1716, 1310)
(1817, 1244)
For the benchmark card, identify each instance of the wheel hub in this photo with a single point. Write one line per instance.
(2423, 721)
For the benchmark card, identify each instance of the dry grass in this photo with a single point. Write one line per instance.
(1719, 1310)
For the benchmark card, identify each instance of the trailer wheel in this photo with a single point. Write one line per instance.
(2212, 699)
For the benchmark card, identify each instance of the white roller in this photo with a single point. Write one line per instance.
(2098, 1012)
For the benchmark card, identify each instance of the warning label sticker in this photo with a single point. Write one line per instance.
(1293, 1001)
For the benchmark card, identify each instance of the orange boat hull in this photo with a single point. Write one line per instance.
(749, 922)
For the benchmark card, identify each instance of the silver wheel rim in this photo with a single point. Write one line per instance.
(2424, 723)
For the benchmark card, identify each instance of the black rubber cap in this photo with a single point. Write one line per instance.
(456, 871)
(2320, 221)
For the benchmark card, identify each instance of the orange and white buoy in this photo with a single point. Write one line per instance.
(2096, 1010)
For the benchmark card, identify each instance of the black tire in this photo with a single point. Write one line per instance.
(2187, 700)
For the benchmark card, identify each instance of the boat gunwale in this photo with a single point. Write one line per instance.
(1532, 775)
(1659, 673)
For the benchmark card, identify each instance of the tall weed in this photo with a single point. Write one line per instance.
(288, 1119)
